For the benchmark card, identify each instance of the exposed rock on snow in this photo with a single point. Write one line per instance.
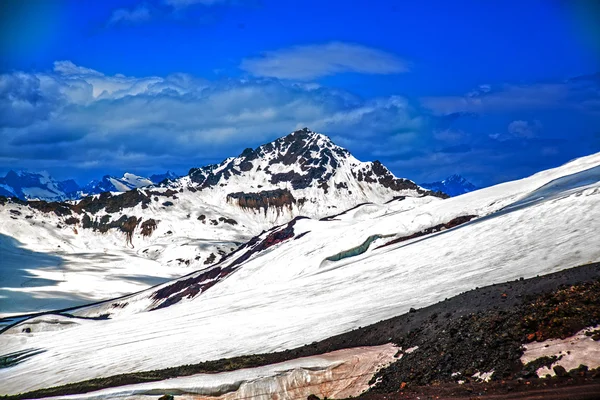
(267, 199)
(571, 352)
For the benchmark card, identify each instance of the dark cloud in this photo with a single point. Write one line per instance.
(85, 115)
(80, 120)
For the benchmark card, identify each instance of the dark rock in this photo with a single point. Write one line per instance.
(448, 225)
(60, 209)
(277, 199)
(148, 226)
(229, 221)
(211, 259)
(560, 371)
(71, 221)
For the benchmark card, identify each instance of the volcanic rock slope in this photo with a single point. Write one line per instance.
(310, 279)
(57, 255)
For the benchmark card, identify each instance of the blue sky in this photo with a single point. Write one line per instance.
(494, 90)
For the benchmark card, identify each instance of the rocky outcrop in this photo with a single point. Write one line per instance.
(148, 226)
(112, 203)
(198, 283)
(125, 224)
(378, 173)
(60, 209)
(277, 199)
(437, 228)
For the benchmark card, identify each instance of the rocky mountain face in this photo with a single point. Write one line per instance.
(304, 171)
(316, 174)
(453, 185)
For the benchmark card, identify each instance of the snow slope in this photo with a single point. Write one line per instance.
(280, 292)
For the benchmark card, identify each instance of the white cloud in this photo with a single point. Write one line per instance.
(577, 94)
(187, 3)
(314, 61)
(140, 13)
(524, 129)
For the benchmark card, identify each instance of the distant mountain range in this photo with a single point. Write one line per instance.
(453, 185)
(41, 186)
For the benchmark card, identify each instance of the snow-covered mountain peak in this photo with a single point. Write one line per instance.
(303, 158)
(453, 185)
(33, 186)
(455, 178)
(112, 184)
(304, 169)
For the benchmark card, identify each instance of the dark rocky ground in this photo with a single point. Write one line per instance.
(479, 330)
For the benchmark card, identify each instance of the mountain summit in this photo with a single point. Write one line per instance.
(314, 173)
(111, 184)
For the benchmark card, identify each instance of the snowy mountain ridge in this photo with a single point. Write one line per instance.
(27, 185)
(41, 186)
(303, 171)
(453, 185)
(111, 184)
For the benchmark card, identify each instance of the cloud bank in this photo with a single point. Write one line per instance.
(82, 120)
(315, 61)
(73, 115)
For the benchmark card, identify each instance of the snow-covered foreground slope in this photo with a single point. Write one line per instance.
(280, 291)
